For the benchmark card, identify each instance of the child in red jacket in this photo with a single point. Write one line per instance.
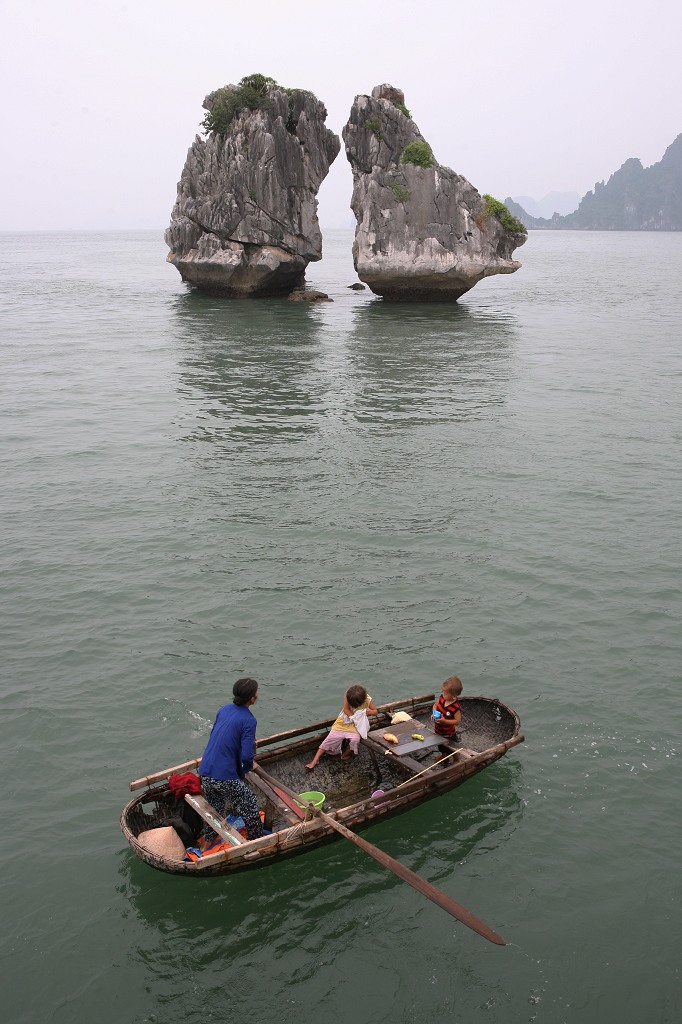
(447, 711)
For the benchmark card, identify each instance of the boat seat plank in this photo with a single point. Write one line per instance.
(403, 732)
(225, 831)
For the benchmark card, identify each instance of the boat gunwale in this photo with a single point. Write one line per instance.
(414, 702)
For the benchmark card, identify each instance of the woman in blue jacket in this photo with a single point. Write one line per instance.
(228, 757)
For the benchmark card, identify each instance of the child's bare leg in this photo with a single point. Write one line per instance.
(351, 750)
(318, 754)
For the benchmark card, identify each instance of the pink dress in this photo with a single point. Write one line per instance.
(349, 728)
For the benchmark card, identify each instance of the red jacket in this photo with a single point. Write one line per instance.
(445, 726)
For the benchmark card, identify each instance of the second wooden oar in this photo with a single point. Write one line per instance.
(436, 895)
(429, 767)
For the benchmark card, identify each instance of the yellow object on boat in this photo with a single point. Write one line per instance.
(400, 716)
(417, 736)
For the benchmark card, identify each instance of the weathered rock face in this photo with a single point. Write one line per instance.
(423, 233)
(245, 218)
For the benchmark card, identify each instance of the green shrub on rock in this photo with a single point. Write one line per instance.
(251, 93)
(373, 125)
(401, 194)
(418, 153)
(495, 208)
(403, 108)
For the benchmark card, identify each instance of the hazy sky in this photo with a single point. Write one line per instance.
(100, 101)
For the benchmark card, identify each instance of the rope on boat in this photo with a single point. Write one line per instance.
(295, 832)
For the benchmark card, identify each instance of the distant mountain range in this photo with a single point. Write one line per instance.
(635, 198)
(553, 202)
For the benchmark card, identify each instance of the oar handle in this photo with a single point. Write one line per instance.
(290, 798)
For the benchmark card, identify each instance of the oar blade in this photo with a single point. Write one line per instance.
(431, 892)
(444, 901)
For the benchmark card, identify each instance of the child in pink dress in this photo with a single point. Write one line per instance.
(350, 725)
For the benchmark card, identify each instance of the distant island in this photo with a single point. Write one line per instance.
(635, 198)
(553, 202)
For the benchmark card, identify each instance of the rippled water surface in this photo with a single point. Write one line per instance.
(196, 489)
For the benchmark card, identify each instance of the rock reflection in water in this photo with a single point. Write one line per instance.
(427, 364)
(249, 371)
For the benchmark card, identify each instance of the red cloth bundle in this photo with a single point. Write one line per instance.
(187, 783)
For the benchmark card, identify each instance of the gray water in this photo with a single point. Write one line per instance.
(194, 490)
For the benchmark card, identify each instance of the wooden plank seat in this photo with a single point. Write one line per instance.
(406, 745)
(403, 760)
(219, 825)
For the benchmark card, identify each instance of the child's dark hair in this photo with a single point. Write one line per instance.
(356, 695)
(243, 690)
(453, 684)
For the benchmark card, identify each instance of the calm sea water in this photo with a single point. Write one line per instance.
(196, 489)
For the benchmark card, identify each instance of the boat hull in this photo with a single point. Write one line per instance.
(298, 838)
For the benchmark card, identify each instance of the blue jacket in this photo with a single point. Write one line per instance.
(232, 744)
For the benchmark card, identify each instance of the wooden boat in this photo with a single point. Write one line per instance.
(408, 773)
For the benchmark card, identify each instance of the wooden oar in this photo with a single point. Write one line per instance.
(436, 895)
(285, 794)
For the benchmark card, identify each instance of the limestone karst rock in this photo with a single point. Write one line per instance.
(423, 232)
(245, 218)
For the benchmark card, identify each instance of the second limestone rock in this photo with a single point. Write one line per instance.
(424, 233)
